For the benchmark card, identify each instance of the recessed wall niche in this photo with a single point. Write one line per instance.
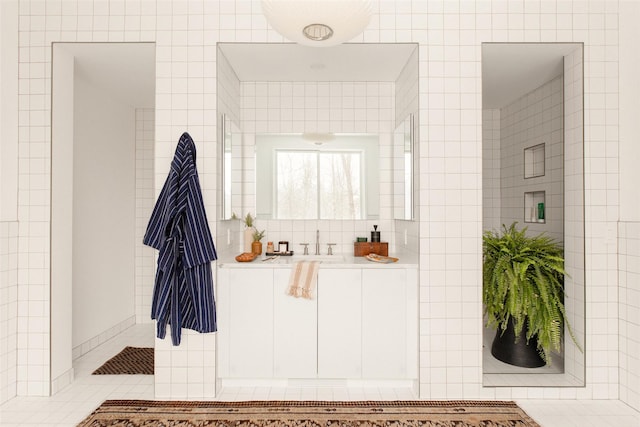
(534, 161)
(534, 206)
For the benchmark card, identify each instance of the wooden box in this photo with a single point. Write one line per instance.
(366, 248)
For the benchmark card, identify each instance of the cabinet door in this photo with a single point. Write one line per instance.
(250, 314)
(384, 323)
(295, 331)
(339, 323)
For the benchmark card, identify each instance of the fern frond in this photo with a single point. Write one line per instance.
(523, 280)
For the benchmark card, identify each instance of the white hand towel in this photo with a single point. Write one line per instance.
(302, 281)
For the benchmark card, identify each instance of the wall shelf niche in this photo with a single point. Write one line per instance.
(534, 161)
(534, 207)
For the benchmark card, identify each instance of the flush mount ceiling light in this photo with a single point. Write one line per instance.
(318, 22)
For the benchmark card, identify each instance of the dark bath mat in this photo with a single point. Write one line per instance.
(130, 361)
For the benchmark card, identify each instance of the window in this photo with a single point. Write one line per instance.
(300, 179)
(318, 184)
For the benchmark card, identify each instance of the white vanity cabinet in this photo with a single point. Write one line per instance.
(295, 331)
(384, 324)
(361, 325)
(245, 323)
(340, 323)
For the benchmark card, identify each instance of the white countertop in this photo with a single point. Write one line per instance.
(405, 260)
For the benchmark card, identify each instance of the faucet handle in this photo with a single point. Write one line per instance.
(306, 248)
(329, 248)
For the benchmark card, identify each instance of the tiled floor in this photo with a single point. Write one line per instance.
(499, 374)
(74, 403)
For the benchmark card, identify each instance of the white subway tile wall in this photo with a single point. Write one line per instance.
(535, 118)
(407, 90)
(145, 201)
(228, 95)
(450, 34)
(406, 97)
(574, 211)
(8, 307)
(491, 201)
(629, 247)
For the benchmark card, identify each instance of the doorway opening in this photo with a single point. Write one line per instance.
(102, 194)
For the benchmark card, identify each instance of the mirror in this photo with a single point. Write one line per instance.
(225, 137)
(317, 176)
(288, 90)
(231, 167)
(403, 141)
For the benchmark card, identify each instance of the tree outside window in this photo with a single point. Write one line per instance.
(319, 184)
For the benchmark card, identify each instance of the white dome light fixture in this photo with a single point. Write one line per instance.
(318, 22)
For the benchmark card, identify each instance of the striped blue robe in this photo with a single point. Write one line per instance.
(183, 293)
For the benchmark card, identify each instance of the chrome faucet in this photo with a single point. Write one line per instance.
(317, 242)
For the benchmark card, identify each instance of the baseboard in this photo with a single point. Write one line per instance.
(101, 338)
(62, 381)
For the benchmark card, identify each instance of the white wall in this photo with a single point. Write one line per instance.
(8, 309)
(629, 227)
(630, 313)
(145, 201)
(103, 211)
(8, 110)
(491, 200)
(407, 101)
(61, 214)
(575, 283)
(8, 197)
(629, 111)
(533, 119)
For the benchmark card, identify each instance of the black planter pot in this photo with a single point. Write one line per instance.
(507, 350)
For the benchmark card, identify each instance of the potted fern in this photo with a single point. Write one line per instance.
(523, 295)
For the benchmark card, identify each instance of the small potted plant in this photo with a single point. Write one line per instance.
(523, 296)
(256, 245)
(248, 232)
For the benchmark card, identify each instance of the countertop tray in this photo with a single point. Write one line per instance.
(290, 253)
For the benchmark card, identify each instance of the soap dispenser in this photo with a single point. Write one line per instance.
(375, 234)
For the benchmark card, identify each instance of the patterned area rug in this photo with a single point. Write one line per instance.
(130, 361)
(133, 413)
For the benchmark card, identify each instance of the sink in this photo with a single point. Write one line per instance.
(322, 258)
(325, 259)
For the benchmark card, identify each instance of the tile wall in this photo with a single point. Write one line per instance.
(450, 34)
(145, 201)
(8, 308)
(491, 200)
(574, 211)
(535, 118)
(629, 247)
(228, 95)
(407, 102)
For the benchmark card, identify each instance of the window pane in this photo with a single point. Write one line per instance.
(340, 185)
(297, 185)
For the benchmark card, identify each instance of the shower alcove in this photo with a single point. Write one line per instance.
(533, 151)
